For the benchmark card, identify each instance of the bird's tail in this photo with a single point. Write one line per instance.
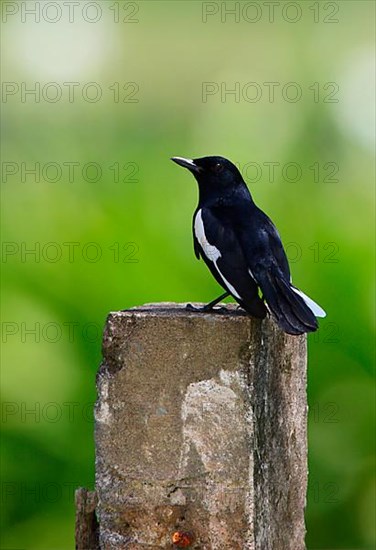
(294, 312)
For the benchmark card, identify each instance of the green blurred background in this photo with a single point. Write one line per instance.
(139, 222)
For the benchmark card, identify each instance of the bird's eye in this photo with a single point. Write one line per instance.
(218, 168)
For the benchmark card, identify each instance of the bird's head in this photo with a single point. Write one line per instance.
(213, 174)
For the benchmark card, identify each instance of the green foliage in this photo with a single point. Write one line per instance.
(326, 225)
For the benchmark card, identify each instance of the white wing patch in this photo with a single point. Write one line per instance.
(315, 308)
(211, 251)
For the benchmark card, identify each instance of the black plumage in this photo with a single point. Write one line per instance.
(242, 247)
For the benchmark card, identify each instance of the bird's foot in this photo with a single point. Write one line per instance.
(190, 307)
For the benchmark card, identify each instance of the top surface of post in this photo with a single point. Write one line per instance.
(173, 309)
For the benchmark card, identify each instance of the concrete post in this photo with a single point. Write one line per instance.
(200, 432)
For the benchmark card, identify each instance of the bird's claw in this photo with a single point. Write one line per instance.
(190, 307)
(206, 309)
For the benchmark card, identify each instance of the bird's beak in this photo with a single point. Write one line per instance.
(186, 163)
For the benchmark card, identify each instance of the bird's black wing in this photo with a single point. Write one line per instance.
(215, 241)
(196, 244)
(266, 258)
(275, 243)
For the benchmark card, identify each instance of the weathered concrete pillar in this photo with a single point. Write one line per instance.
(200, 432)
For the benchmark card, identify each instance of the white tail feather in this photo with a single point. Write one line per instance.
(315, 308)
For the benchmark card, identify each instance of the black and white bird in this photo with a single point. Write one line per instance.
(242, 248)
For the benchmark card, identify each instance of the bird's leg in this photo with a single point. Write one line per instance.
(210, 305)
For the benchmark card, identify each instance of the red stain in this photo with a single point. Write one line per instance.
(182, 539)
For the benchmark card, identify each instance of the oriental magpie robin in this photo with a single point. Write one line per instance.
(242, 248)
